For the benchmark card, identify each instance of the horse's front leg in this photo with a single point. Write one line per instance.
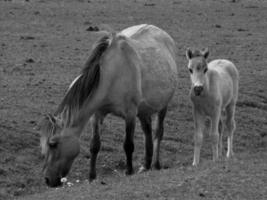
(158, 136)
(96, 122)
(129, 143)
(199, 123)
(146, 125)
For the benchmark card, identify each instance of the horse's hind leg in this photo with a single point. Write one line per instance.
(230, 128)
(96, 122)
(158, 136)
(146, 125)
(129, 142)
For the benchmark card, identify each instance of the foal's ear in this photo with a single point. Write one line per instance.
(205, 53)
(189, 54)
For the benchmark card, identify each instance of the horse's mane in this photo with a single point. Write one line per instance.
(85, 84)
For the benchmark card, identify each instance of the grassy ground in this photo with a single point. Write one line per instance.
(242, 178)
(43, 46)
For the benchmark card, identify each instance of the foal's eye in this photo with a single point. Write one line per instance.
(190, 70)
(205, 70)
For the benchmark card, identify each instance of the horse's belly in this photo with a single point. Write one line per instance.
(155, 99)
(158, 86)
(158, 73)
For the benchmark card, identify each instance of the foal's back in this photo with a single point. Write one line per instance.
(224, 74)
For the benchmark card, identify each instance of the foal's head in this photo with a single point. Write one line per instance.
(198, 68)
(59, 151)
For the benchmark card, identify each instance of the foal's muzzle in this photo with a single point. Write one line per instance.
(198, 90)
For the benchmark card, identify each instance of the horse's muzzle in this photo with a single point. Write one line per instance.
(53, 183)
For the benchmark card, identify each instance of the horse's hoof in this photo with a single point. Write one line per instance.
(92, 177)
(142, 169)
(129, 172)
(157, 166)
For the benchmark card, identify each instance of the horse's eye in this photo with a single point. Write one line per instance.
(205, 70)
(190, 70)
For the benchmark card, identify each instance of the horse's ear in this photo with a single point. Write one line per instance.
(189, 54)
(54, 120)
(53, 141)
(59, 122)
(37, 127)
(50, 118)
(205, 53)
(45, 122)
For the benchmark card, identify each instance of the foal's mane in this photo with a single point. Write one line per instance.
(196, 53)
(85, 84)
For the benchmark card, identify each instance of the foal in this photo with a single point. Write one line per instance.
(213, 94)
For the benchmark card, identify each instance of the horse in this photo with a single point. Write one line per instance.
(213, 94)
(130, 74)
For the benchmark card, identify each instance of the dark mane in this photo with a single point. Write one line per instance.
(87, 82)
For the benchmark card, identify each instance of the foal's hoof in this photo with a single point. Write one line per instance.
(195, 163)
(230, 155)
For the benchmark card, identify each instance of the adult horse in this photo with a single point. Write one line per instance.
(214, 93)
(129, 74)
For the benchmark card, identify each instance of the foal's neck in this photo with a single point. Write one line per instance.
(207, 83)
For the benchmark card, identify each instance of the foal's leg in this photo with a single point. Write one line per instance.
(96, 121)
(199, 122)
(158, 136)
(146, 125)
(230, 128)
(221, 128)
(215, 137)
(129, 143)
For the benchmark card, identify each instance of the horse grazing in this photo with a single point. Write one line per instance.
(129, 74)
(213, 94)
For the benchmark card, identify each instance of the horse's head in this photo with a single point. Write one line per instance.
(198, 68)
(62, 150)
(59, 150)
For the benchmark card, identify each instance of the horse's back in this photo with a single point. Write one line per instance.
(156, 50)
(228, 75)
(148, 37)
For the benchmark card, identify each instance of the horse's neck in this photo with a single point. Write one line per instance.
(73, 131)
